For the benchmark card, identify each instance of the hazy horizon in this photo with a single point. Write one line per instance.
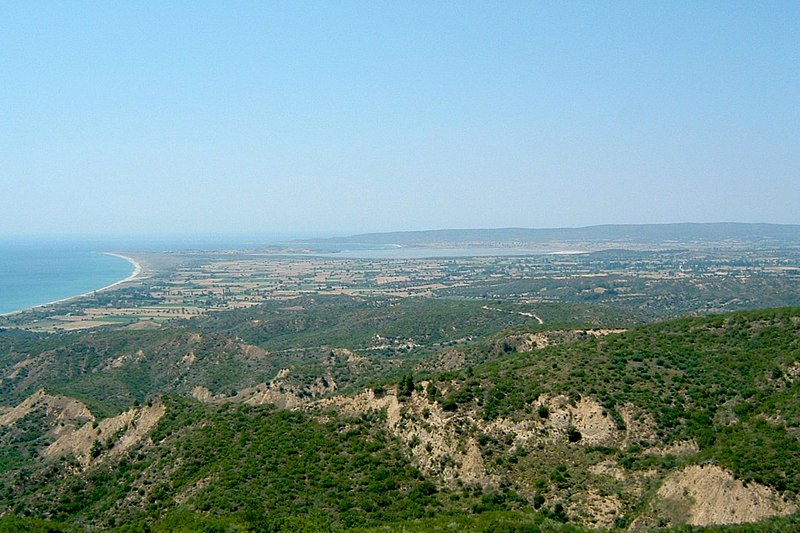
(160, 240)
(320, 119)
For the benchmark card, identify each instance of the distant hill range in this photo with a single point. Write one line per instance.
(763, 234)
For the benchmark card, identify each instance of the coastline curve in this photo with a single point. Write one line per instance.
(137, 271)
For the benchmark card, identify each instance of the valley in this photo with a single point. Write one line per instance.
(629, 390)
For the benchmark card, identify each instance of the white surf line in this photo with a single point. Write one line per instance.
(531, 315)
(137, 271)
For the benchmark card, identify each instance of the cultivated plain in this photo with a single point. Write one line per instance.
(649, 381)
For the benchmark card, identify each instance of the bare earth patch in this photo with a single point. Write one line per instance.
(114, 435)
(64, 412)
(709, 495)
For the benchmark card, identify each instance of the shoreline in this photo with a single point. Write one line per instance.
(137, 271)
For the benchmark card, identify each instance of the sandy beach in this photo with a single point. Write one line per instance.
(137, 271)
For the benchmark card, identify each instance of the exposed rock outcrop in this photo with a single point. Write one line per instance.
(279, 392)
(702, 495)
(63, 413)
(115, 435)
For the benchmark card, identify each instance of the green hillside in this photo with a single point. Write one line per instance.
(595, 430)
(226, 352)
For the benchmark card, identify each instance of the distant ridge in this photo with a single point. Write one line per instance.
(768, 234)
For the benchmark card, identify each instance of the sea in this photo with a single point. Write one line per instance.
(39, 271)
(32, 275)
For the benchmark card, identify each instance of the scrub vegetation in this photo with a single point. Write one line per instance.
(329, 412)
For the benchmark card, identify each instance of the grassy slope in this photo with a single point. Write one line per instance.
(249, 465)
(299, 335)
(725, 381)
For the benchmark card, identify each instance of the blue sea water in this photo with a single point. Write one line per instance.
(33, 274)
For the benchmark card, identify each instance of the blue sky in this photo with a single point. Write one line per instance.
(341, 117)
